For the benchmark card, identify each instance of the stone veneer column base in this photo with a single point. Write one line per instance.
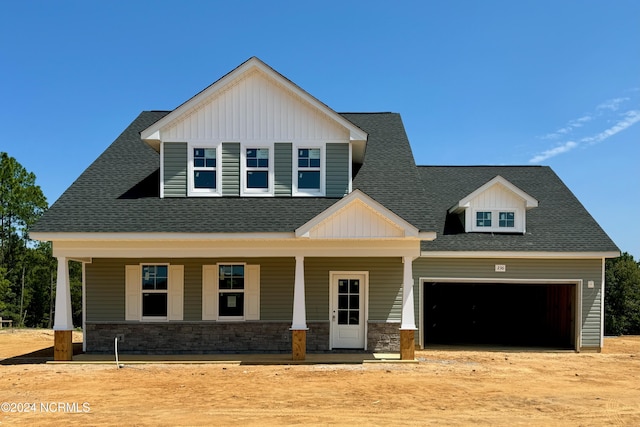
(298, 344)
(407, 344)
(62, 345)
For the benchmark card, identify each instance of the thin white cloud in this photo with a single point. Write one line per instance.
(612, 104)
(603, 113)
(573, 124)
(630, 118)
(567, 146)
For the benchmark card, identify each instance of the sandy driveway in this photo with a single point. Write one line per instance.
(445, 388)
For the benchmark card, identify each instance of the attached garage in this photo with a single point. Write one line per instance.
(523, 314)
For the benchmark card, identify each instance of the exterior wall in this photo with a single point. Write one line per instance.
(337, 170)
(283, 164)
(524, 269)
(105, 301)
(231, 169)
(175, 169)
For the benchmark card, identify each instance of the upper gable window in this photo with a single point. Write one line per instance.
(257, 169)
(495, 221)
(483, 219)
(203, 171)
(309, 171)
(506, 220)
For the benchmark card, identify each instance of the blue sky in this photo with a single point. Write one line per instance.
(477, 82)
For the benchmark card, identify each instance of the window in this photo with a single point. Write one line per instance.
(231, 291)
(257, 168)
(155, 279)
(309, 169)
(506, 219)
(204, 168)
(483, 219)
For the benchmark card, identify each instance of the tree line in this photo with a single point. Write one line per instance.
(28, 269)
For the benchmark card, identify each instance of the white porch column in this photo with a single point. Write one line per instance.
(299, 323)
(408, 326)
(408, 311)
(299, 304)
(63, 320)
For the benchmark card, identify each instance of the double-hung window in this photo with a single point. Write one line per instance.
(309, 170)
(257, 169)
(155, 279)
(231, 290)
(204, 169)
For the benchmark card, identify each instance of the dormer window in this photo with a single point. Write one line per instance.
(257, 169)
(483, 219)
(506, 219)
(309, 171)
(498, 206)
(203, 171)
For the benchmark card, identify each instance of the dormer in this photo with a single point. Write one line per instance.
(496, 207)
(254, 133)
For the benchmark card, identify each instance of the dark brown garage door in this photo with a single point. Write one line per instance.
(499, 314)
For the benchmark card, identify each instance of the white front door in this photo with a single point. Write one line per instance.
(348, 310)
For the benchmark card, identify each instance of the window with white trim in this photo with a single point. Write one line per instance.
(155, 295)
(257, 169)
(203, 170)
(231, 290)
(496, 221)
(483, 219)
(309, 162)
(506, 220)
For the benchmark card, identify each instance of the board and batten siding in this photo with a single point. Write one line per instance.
(255, 108)
(524, 269)
(175, 169)
(337, 170)
(230, 168)
(282, 170)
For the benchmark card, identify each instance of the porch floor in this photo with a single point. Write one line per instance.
(237, 359)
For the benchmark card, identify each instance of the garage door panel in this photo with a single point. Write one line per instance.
(498, 314)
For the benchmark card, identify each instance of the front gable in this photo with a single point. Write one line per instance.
(255, 133)
(358, 216)
(498, 206)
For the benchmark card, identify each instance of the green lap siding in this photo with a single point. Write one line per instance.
(282, 168)
(337, 170)
(231, 169)
(525, 269)
(385, 285)
(175, 169)
(105, 286)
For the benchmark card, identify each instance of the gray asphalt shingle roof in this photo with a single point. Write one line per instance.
(119, 192)
(559, 224)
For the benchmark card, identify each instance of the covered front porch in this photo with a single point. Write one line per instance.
(340, 281)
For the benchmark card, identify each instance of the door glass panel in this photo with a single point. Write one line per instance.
(354, 317)
(343, 317)
(343, 302)
(348, 302)
(354, 286)
(354, 302)
(343, 286)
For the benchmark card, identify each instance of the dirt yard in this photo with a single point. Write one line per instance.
(445, 388)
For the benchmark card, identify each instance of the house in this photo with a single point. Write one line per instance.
(254, 218)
